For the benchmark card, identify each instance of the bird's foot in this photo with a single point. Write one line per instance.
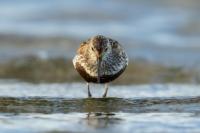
(104, 95)
(89, 95)
(106, 91)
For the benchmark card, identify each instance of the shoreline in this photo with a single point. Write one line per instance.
(60, 70)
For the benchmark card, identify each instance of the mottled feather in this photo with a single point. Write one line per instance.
(113, 62)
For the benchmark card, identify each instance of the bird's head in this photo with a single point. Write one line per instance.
(99, 45)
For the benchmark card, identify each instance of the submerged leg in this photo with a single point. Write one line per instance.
(88, 87)
(106, 90)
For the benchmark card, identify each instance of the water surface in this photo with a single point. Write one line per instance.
(65, 107)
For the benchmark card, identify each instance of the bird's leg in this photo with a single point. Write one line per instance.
(106, 90)
(88, 87)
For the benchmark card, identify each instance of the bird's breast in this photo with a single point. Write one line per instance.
(110, 69)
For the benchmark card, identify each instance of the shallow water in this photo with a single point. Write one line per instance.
(26, 107)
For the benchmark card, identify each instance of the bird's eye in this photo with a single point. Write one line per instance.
(92, 49)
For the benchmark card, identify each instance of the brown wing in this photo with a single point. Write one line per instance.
(82, 49)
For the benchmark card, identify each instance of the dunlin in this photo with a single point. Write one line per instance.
(100, 60)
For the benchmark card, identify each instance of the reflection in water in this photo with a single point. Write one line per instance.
(51, 108)
(99, 115)
(100, 123)
(101, 119)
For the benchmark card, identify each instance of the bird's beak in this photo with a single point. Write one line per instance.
(99, 68)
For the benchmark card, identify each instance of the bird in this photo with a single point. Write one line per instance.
(100, 60)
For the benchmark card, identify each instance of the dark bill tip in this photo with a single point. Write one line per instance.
(99, 70)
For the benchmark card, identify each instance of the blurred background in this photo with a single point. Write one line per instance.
(40, 91)
(38, 38)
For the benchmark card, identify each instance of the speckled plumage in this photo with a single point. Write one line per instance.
(113, 62)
